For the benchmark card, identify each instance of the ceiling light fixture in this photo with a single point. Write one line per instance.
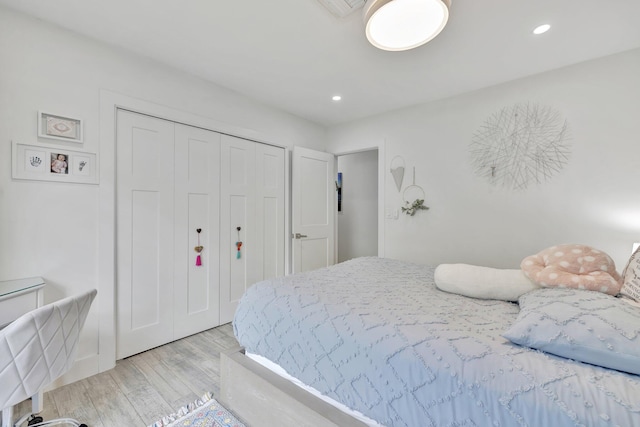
(404, 24)
(336, 97)
(540, 29)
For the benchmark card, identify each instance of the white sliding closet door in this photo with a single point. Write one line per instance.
(238, 191)
(145, 232)
(172, 180)
(197, 206)
(270, 211)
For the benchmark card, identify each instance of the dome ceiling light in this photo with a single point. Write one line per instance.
(404, 24)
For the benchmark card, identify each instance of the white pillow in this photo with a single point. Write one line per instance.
(483, 282)
(631, 278)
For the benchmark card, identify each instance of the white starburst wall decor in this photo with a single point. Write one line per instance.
(520, 145)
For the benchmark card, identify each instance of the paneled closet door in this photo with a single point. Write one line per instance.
(270, 211)
(197, 206)
(237, 210)
(145, 223)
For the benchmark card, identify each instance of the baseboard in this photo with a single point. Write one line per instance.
(81, 369)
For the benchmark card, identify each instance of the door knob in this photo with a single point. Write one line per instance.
(299, 236)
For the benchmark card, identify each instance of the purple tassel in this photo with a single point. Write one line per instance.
(198, 260)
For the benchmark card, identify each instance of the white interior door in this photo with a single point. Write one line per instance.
(145, 223)
(237, 222)
(197, 206)
(313, 203)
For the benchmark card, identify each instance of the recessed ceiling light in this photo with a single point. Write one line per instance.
(541, 29)
(336, 97)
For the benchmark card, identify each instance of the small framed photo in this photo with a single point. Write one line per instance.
(58, 127)
(51, 163)
(59, 162)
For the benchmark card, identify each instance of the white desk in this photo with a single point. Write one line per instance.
(18, 297)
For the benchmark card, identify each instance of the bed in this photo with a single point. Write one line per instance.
(377, 336)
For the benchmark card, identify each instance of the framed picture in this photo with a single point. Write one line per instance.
(51, 163)
(58, 127)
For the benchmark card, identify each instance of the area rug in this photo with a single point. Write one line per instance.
(204, 412)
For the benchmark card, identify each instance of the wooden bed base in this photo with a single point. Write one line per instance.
(261, 398)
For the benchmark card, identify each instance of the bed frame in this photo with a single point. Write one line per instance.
(261, 398)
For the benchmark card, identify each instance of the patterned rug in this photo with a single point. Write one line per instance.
(204, 412)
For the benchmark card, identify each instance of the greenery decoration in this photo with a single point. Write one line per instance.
(412, 208)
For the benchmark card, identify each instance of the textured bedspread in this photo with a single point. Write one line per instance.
(378, 336)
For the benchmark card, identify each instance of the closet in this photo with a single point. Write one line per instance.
(180, 188)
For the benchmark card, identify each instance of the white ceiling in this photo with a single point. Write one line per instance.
(295, 54)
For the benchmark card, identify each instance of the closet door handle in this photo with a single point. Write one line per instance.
(299, 236)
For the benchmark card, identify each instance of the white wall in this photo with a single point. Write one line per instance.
(358, 221)
(57, 230)
(594, 200)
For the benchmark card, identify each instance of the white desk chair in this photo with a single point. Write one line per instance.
(36, 349)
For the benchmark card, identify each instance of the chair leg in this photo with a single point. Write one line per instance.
(37, 402)
(37, 405)
(7, 416)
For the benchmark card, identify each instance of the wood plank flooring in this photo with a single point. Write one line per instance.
(143, 388)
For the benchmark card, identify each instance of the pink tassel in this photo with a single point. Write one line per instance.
(198, 260)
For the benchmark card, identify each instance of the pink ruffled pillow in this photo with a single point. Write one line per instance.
(573, 266)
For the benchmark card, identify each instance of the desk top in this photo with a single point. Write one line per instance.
(13, 288)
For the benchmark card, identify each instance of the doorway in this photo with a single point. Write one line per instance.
(358, 212)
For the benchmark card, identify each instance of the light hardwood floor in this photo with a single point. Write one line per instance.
(143, 388)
